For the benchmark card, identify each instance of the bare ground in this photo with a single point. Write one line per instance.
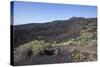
(89, 51)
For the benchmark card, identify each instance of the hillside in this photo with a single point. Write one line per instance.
(60, 41)
(59, 30)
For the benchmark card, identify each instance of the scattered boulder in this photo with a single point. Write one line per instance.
(49, 51)
(29, 53)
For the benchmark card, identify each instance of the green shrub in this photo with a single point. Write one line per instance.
(20, 52)
(76, 56)
(37, 46)
(85, 38)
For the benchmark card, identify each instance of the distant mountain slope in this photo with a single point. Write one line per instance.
(58, 30)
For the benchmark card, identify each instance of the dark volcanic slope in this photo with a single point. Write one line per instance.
(52, 31)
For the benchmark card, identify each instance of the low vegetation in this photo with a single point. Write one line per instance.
(64, 34)
(76, 55)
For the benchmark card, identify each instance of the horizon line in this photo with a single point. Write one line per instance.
(53, 20)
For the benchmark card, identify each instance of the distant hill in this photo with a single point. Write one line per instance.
(58, 30)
